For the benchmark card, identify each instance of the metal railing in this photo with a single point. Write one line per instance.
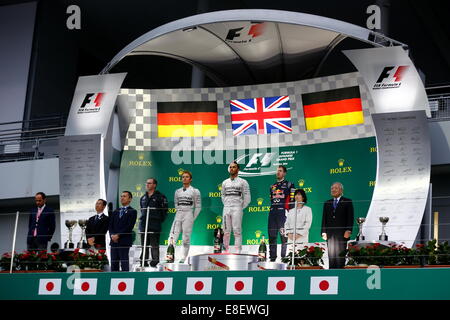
(439, 106)
(30, 140)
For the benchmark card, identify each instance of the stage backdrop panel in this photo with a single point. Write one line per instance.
(313, 167)
(143, 105)
(315, 158)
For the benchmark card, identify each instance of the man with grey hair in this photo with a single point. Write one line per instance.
(337, 224)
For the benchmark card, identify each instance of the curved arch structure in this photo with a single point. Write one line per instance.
(236, 47)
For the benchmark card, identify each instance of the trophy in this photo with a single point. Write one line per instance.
(82, 243)
(70, 224)
(383, 236)
(360, 236)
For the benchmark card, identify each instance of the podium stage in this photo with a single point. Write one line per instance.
(342, 284)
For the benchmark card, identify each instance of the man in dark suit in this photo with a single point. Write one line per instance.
(158, 206)
(337, 224)
(41, 224)
(121, 224)
(97, 226)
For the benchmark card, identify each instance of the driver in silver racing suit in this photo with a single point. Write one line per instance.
(235, 198)
(188, 203)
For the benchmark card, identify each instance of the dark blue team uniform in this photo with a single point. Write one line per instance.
(281, 199)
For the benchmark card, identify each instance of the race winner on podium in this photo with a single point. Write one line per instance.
(235, 198)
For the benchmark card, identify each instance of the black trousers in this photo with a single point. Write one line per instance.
(120, 256)
(336, 245)
(34, 244)
(153, 244)
(276, 222)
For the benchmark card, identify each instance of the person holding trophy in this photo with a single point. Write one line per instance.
(188, 204)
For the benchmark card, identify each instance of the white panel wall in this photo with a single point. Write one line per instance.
(440, 142)
(23, 179)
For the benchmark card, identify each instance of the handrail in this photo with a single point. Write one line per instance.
(31, 131)
(34, 120)
(438, 87)
(31, 139)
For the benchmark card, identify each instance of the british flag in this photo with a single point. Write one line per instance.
(261, 115)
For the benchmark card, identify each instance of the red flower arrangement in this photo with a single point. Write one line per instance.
(308, 256)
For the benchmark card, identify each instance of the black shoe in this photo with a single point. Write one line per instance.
(153, 263)
(273, 259)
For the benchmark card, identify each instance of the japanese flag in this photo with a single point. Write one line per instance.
(122, 287)
(49, 286)
(199, 286)
(280, 285)
(159, 286)
(324, 285)
(85, 286)
(239, 285)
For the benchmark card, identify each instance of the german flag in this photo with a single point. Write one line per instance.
(332, 108)
(187, 119)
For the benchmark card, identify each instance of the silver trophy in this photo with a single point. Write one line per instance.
(383, 236)
(82, 244)
(360, 236)
(70, 224)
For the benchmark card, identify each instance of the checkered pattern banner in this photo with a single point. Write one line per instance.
(143, 131)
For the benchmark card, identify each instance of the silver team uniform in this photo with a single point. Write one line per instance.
(235, 198)
(188, 203)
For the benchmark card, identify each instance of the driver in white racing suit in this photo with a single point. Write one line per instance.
(188, 204)
(235, 198)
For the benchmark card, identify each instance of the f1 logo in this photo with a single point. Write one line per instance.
(255, 30)
(261, 159)
(233, 33)
(398, 75)
(90, 96)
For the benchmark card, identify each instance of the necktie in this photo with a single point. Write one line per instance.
(122, 211)
(335, 203)
(39, 211)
